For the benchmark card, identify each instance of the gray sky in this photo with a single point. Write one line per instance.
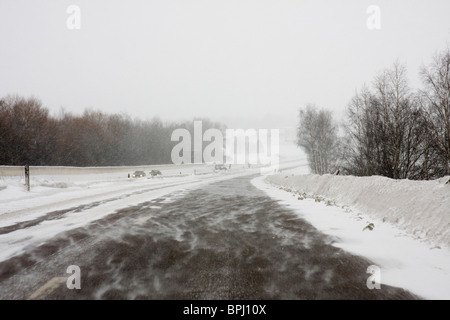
(246, 63)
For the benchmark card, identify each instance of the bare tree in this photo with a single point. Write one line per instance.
(24, 131)
(317, 135)
(435, 97)
(359, 146)
(387, 130)
(393, 107)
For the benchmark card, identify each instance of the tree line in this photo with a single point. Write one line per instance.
(389, 129)
(29, 135)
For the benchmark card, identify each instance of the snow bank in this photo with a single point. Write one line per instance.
(404, 261)
(420, 208)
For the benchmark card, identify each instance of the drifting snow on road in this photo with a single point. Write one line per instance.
(223, 240)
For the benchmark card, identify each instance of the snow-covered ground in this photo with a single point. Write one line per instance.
(100, 190)
(99, 194)
(410, 241)
(410, 238)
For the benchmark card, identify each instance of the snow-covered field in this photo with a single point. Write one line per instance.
(411, 234)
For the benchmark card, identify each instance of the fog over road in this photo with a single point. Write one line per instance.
(224, 240)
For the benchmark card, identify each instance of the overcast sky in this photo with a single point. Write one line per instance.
(245, 63)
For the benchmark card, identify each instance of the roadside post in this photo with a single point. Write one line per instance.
(27, 177)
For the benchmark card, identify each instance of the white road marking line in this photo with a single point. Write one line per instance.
(47, 288)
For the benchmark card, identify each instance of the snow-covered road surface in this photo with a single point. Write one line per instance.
(30, 218)
(225, 239)
(49, 219)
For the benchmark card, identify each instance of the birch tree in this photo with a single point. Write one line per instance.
(435, 97)
(317, 135)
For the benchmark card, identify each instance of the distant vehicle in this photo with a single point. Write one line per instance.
(220, 167)
(155, 173)
(138, 174)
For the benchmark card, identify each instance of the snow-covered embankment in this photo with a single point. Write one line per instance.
(410, 242)
(420, 208)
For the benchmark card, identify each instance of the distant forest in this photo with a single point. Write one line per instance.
(389, 130)
(30, 136)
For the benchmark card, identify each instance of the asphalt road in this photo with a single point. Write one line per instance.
(226, 240)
